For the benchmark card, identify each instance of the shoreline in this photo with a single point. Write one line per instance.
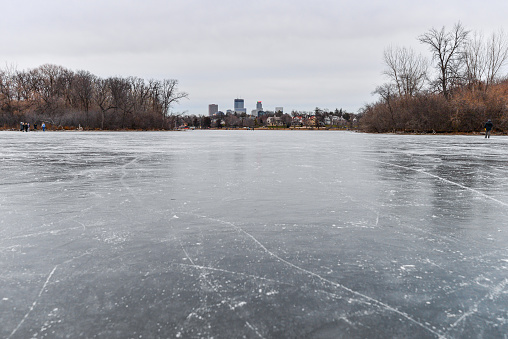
(255, 129)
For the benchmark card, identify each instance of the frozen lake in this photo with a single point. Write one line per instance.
(255, 234)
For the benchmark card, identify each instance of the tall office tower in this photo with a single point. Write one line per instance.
(239, 106)
(259, 108)
(213, 109)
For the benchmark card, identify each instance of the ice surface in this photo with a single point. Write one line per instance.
(256, 234)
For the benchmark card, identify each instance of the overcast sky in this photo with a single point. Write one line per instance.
(290, 53)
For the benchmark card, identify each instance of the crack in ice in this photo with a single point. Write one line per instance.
(494, 293)
(53, 232)
(41, 291)
(34, 303)
(442, 179)
(124, 174)
(234, 273)
(252, 327)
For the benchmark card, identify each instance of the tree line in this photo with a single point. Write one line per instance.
(67, 99)
(457, 90)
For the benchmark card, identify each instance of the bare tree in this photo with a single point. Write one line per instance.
(474, 58)
(484, 58)
(121, 97)
(24, 89)
(49, 84)
(102, 98)
(407, 70)
(446, 51)
(388, 96)
(497, 55)
(140, 93)
(155, 90)
(83, 90)
(7, 88)
(168, 96)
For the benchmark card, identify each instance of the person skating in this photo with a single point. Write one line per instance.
(488, 128)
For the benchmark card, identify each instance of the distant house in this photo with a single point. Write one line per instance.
(274, 121)
(311, 121)
(297, 121)
(332, 120)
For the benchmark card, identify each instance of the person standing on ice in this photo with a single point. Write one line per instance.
(488, 128)
(43, 126)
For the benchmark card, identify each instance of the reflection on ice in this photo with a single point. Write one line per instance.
(257, 234)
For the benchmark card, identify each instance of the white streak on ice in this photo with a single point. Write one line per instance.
(187, 254)
(52, 232)
(124, 174)
(41, 291)
(233, 273)
(253, 328)
(442, 179)
(34, 303)
(494, 293)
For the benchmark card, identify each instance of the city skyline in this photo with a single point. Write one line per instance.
(239, 107)
(295, 54)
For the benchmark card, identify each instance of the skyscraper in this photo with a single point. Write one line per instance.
(213, 109)
(259, 108)
(239, 106)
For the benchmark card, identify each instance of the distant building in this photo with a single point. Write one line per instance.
(239, 103)
(274, 121)
(259, 108)
(297, 121)
(239, 106)
(212, 109)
